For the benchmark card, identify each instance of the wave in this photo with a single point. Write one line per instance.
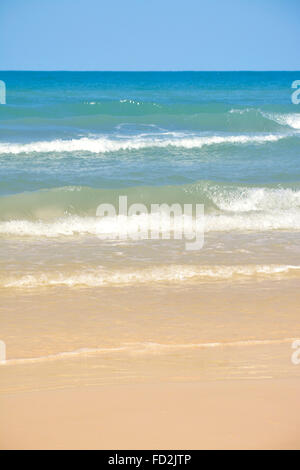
(105, 144)
(71, 211)
(137, 227)
(240, 199)
(105, 114)
(292, 120)
(251, 116)
(160, 274)
(145, 348)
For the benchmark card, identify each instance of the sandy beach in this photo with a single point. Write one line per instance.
(177, 375)
(215, 415)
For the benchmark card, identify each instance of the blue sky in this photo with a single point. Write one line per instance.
(149, 35)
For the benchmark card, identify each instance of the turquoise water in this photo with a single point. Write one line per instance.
(70, 141)
(117, 121)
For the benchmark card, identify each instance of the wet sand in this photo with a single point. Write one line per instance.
(208, 415)
(199, 366)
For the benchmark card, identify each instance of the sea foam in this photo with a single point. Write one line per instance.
(156, 274)
(105, 144)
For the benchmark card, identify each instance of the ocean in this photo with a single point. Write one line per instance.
(70, 141)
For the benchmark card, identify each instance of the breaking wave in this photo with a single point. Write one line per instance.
(157, 274)
(71, 211)
(105, 144)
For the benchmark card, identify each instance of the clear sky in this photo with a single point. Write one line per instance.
(149, 35)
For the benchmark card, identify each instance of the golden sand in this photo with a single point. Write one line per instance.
(168, 366)
(213, 415)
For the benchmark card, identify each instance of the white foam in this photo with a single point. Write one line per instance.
(250, 218)
(292, 120)
(255, 199)
(104, 144)
(145, 348)
(241, 111)
(158, 274)
(258, 222)
(105, 228)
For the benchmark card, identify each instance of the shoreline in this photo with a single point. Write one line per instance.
(246, 414)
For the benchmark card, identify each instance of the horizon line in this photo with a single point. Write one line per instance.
(145, 71)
